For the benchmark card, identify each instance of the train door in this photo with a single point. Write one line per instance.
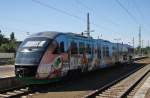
(106, 59)
(63, 54)
(102, 54)
(113, 54)
(88, 55)
(110, 54)
(96, 57)
(73, 55)
(82, 56)
(99, 53)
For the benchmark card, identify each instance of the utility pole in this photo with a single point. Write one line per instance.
(148, 48)
(140, 40)
(133, 48)
(142, 47)
(88, 25)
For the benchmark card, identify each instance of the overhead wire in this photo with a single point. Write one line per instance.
(89, 9)
(82, 4)
(108, 20)
(66, 13)
(141, 15)
(138, 9)
(127, 11)
(130, 14)
(56, 9)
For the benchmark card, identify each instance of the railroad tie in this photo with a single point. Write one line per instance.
(24, 90)
(11, 93)
(4, 95)
(18, 91)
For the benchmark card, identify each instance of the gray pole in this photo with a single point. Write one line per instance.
(140, 40)
(142, 47)
(133, 48)
(88, 25)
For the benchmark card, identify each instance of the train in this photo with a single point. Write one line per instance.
(50, 55)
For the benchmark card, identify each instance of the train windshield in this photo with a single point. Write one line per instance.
(31, 51)
(35, 43)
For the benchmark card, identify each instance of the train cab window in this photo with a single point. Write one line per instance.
(62, 47)
(81, 47)
(74, 48)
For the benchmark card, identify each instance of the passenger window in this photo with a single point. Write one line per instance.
(104, 54)
(62, 47)
(99, 52)
(81, 48)
(107, 51)
(88, 49)
(74, 48)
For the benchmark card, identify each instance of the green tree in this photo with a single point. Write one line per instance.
(7, 45)
(1, 37)
(12, 36)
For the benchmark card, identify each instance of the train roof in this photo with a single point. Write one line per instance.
(48, 34)
(54, 34)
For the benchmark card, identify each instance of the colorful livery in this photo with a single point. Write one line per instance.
(51, 55)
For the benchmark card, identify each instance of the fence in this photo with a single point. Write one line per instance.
(7, 55)
(7, 58)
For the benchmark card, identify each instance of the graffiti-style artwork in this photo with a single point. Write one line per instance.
(84, 60)
(45, 65)
(56, 67)
(95, 60)
(52, 62)
(52, 55)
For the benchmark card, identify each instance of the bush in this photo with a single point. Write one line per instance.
(8, 47)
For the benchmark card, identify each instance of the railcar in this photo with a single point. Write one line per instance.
(49, 56)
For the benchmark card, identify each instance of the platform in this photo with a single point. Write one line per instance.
(7, 71)
(144, 90)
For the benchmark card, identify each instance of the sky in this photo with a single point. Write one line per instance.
(113, 19)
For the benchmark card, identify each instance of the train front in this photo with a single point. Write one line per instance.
(29, 56)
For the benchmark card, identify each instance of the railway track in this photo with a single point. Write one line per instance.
(122, 87)
(15, 92)
(25, 90)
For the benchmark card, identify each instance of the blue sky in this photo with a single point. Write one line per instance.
(107, 18)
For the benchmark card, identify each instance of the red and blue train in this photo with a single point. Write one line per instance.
(49, 56)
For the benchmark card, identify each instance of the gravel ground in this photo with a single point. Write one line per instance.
(80, 86)
(148, 94)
